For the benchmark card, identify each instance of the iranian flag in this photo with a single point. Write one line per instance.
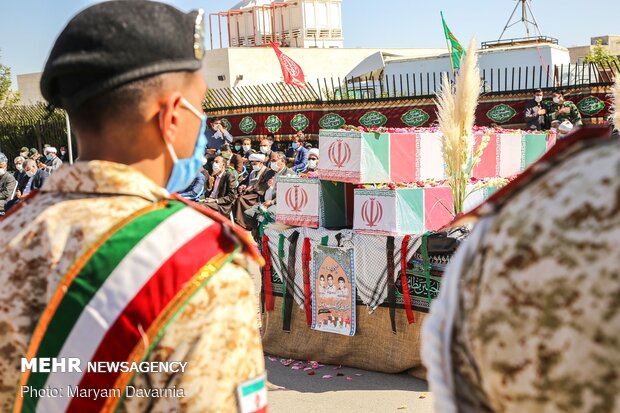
(292, 72)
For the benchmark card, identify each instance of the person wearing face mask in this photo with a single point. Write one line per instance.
(246, 147)
(301, 158)
(278, 166)
(36, 177)
(535, 113)
(64, 155)
(238, 147)
(20, 174)
(254, 190)
(265, 149)
(123, 268)
(563, 110)
(8, 184)
(53, 162)
(222, 195)
(313, 163)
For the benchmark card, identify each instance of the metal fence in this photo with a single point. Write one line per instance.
(406, 86)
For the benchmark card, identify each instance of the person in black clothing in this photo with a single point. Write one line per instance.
(222, 194)
(535, 113)
(20, 174)
(64, 155)
(36, 176)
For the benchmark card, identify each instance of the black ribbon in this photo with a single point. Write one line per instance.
(391, 282)
(290, 282)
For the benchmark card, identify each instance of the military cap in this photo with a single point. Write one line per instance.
(118, 42)
(24, 149)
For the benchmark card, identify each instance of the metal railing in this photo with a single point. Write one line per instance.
(407, 86)
(519, 41)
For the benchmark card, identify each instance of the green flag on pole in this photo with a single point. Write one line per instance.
(454, 47)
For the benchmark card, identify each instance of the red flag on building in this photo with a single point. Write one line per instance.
(292, 72)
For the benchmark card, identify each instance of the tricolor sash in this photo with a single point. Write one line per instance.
(116, 301)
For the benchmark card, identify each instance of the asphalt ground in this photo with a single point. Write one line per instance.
(295, 390)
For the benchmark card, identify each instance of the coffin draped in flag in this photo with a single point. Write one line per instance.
(509, 154)
(292, 72)
(309, 202)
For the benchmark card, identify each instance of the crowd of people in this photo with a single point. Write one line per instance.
(31, 169)
(239, 181)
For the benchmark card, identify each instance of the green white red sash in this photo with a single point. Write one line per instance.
(116, 301)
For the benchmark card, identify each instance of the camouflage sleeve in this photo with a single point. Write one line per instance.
(218, 336)
(552, 111)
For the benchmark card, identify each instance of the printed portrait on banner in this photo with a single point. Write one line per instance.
(333, 290)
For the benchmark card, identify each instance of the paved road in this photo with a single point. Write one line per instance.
(369, 392)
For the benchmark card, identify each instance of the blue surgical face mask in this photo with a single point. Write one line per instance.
(295, 145)
(185, 170)
(48, 157)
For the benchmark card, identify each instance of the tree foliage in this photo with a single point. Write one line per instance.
(599, 55)
(7, 97)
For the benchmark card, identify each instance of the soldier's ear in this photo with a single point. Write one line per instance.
(170, 116)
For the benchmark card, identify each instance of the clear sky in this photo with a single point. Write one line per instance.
(28, 27)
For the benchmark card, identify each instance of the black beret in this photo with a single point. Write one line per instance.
(117, 42)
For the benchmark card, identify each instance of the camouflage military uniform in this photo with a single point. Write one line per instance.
(537, 319)
(574, 116)
(216, 333)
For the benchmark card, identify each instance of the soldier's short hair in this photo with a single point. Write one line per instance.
(121, 103)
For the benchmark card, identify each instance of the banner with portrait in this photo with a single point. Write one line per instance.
(333, 290)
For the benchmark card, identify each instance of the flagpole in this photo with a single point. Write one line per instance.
(448, 45)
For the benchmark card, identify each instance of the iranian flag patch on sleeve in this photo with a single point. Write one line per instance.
(252, 395)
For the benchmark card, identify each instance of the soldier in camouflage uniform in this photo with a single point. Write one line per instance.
(562, 110)
(146, 275)
(528, 319)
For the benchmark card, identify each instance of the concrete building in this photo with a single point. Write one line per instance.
(530, 56)
(610, 43)
(28, 86)
(298, 23)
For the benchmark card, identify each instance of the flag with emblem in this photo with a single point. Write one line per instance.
(454, 47)
(292, 72)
